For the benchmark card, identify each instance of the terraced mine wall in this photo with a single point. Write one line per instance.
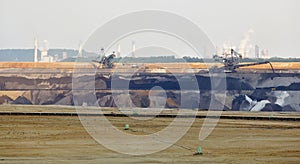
(244, 90)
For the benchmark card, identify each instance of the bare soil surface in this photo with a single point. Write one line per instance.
(70, 65)
(53, 139)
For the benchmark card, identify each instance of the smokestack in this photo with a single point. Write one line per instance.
(119, 51)
(133, 49)
(80, 50)
(35, 50)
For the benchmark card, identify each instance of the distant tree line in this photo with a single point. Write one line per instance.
(26, 55)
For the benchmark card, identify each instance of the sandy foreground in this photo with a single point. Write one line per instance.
(28, 139)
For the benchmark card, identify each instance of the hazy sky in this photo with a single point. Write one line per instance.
(64, 23)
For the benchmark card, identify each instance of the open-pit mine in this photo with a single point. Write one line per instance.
(179, 85)
(41, 116)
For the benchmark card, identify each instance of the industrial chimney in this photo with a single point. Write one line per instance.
(35, 50)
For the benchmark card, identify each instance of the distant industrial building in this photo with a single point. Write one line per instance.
(64, 55)
(265, 53)
(44, 52)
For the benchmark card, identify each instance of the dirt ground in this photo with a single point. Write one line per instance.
(53, 139)
(70, 65)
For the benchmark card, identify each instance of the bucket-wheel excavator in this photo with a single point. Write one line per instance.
(231, 61)
(105, 61)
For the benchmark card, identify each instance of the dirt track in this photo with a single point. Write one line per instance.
(77, 65)
(62, 138)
